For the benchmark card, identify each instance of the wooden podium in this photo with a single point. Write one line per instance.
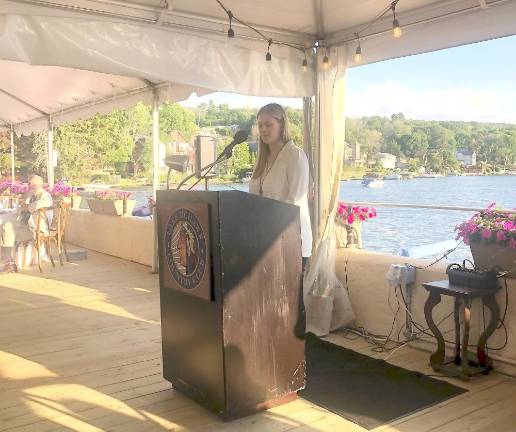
(231, 312)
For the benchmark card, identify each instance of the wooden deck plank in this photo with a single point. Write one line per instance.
(80, 350)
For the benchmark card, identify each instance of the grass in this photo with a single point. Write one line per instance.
(352, 173)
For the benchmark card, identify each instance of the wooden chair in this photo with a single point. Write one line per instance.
(56, 232)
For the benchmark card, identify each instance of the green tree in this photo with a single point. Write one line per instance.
(173, 116)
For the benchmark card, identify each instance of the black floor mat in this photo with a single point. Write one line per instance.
(364, 390)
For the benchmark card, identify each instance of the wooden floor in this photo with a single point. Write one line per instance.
(80, 351)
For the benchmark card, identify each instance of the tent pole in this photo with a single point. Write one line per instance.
(155, 174)
(12, 155)
(309, 150)
(50, 154)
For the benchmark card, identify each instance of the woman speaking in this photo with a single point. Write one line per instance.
(281, 171)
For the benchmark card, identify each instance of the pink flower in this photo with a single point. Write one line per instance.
(351, 219)
(361, 217)
(509, 225)
(500, 236)
(355, 210)
(486, 233)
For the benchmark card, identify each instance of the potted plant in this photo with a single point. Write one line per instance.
(348, 220)
(114, 203)
(491, 236)
(119, 204)
(11, 192)
(96, 203)
(66, 193)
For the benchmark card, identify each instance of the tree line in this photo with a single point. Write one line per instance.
(121, 141)
(433, 144)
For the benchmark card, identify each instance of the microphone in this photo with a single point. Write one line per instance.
(239, 138)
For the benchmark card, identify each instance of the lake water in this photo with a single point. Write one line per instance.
(397, 228)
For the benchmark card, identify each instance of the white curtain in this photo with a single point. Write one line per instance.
(326, 301)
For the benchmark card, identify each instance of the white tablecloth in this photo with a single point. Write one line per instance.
(7, 215)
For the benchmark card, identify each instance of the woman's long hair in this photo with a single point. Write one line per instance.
(276, 111)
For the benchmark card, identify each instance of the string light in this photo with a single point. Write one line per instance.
(358, 53)
(396, 29)
(268, 55)
(231, 32)
(326, 64)
(326, 61)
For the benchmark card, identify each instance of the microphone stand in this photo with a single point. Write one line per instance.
(222, 157)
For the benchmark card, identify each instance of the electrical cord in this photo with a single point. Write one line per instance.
(501, 321)
(445, 255)
(380, 341)
(501, 324)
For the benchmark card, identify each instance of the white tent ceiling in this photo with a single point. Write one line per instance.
(30, 94)
(72, 58)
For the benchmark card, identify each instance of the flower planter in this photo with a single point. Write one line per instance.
(348, 224)
(9, 201)
(348, 236)
(488, 256)
(112, 207)
(119, 207)
(76, 202)
(96, 206)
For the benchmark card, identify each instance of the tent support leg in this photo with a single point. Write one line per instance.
(155, 175)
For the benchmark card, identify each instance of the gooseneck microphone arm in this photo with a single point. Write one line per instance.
(222, 157)
(239, 138)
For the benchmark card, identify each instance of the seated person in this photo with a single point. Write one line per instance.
(25, 226)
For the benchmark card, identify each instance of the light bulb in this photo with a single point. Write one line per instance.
(268, 56)
(396, 29)
(326, 63)
(358, 55)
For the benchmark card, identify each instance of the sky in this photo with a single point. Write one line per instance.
(475, 82)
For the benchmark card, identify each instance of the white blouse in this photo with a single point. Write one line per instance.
(287, 180)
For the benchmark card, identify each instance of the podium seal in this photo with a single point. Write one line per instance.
(185, 249)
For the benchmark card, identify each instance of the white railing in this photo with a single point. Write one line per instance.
(420, 206)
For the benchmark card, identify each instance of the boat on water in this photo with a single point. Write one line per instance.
(372, 183)
(393, 176)
(430, 175)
